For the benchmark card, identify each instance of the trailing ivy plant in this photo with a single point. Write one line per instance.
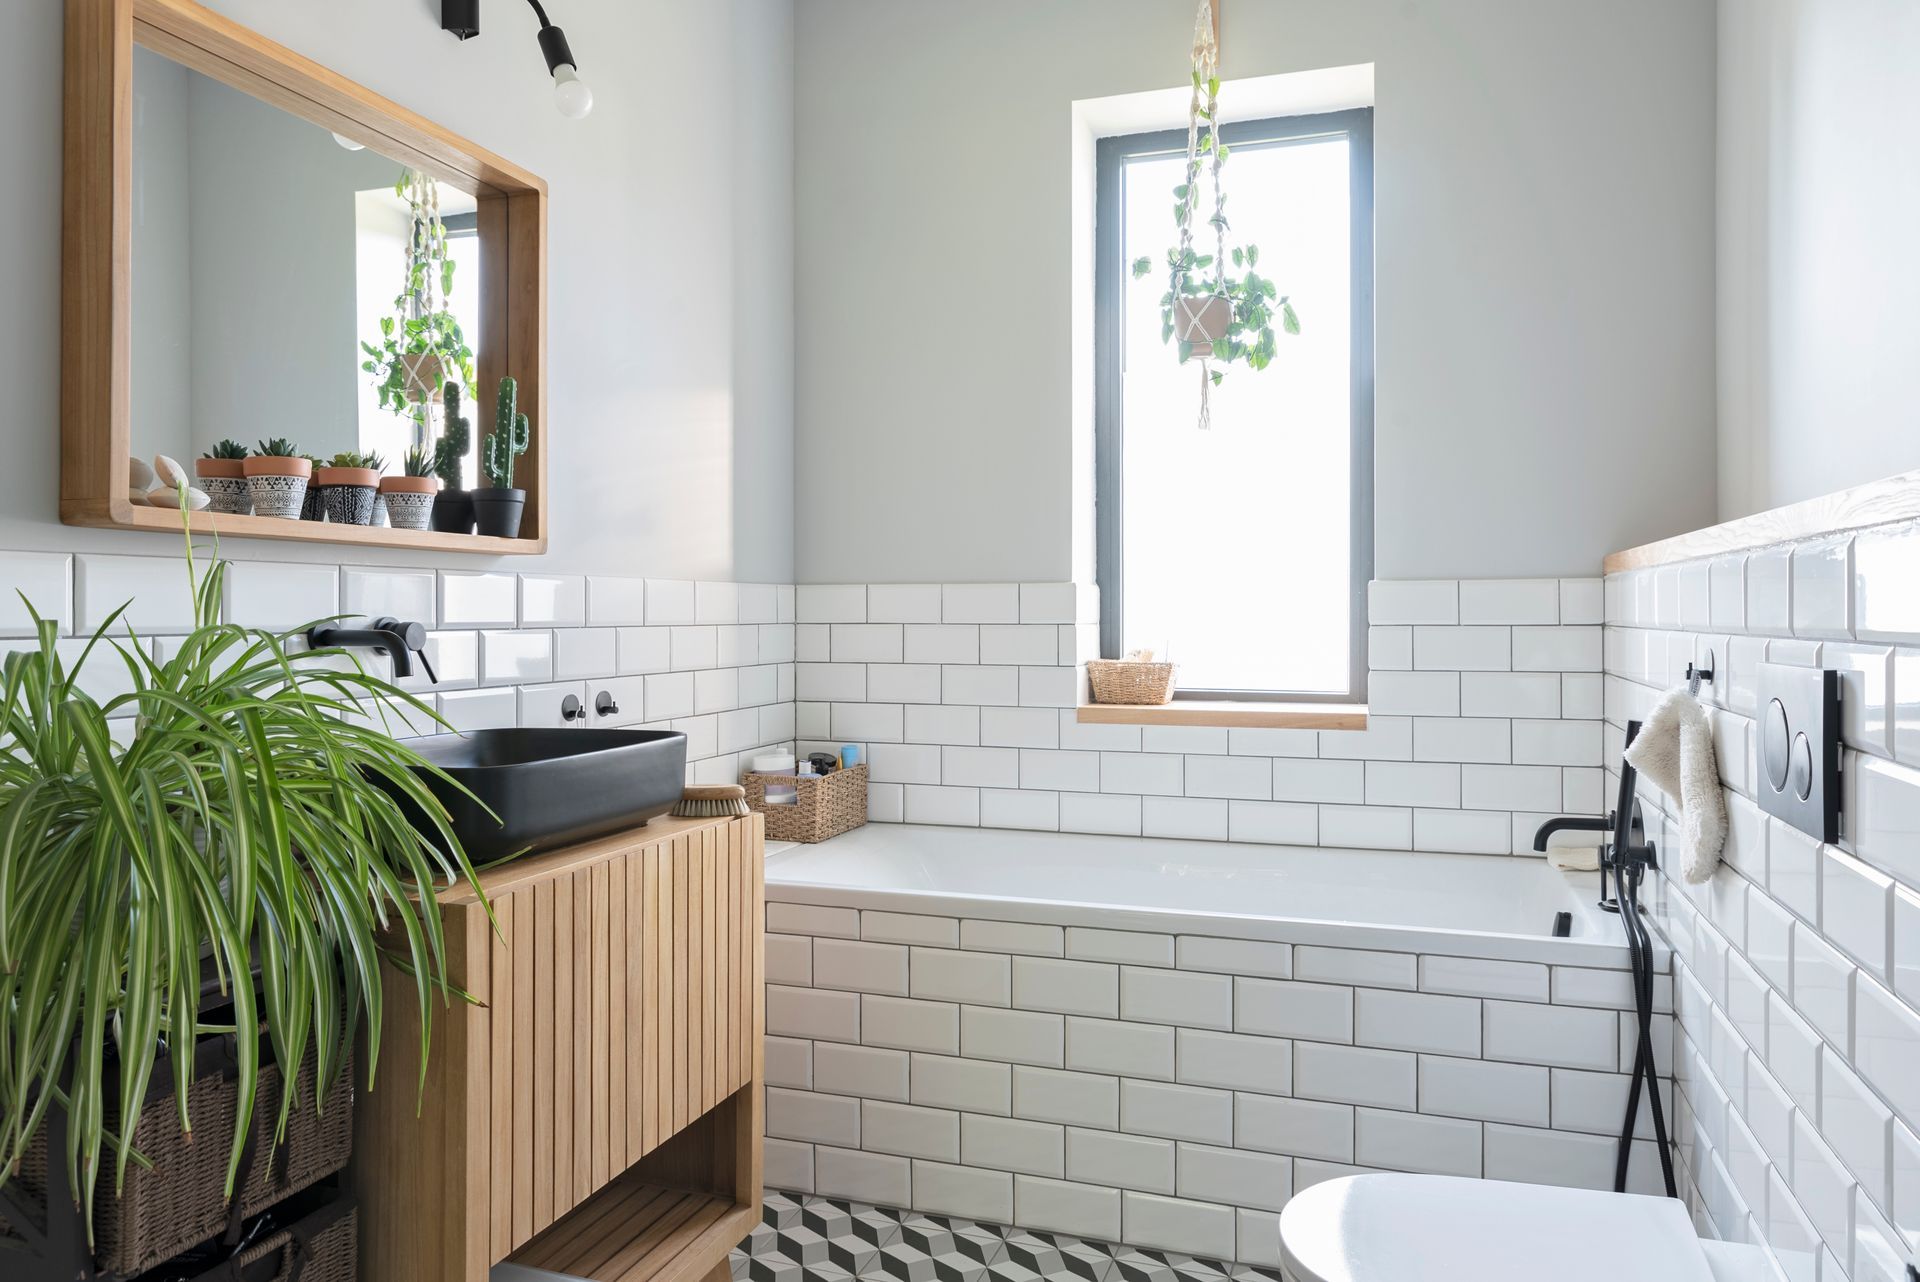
(422, 347)
(232, 812)
(1255, 301)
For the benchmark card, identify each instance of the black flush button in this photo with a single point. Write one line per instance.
(1775, 745)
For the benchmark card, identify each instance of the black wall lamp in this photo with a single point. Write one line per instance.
(570, 92)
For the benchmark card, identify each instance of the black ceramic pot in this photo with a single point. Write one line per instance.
(497, 512)
(453, 512)
(313, 507)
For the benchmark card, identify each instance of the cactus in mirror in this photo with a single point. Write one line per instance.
(512, 432)
(419, 462)
(456, 434)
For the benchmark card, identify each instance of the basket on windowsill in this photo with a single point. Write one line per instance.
(1141, 682)
(824, 806)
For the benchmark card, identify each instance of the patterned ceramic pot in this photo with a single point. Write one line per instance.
(224, 482)
(347, 493)
(277, 486)
(408, 500)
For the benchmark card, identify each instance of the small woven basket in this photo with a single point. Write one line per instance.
(1127, 681)
(825, 806)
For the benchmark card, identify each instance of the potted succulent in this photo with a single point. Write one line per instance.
(347, 484)
(277, 477)
(221, 473)
(224, 851)
(409, 499)
(453, 506)
(498, 507)
(1230, 317)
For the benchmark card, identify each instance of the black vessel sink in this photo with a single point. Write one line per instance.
(552, 787)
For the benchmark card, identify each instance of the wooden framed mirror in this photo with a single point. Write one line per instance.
(242, 231)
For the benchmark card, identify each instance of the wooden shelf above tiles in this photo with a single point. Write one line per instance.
(1201, 712)
(231, 526)
(1896, 498)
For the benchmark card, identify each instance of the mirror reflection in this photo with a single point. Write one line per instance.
(294, 296)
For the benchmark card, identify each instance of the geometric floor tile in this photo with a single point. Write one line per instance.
(803, 1238)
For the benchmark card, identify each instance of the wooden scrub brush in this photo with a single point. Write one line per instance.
(708, 801)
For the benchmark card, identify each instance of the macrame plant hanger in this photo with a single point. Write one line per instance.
(1204, 101)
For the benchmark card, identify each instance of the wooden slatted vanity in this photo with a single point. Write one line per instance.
(596, 1111)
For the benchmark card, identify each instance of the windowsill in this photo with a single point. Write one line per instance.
(1201, 712)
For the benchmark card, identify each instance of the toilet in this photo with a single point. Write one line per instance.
(1439, 1228)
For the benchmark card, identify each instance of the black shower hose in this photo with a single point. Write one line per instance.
(1627, 877)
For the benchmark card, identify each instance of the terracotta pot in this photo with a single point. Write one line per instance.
(224, 482)
(326, 477)
(409, 485)
(277, 485)
(1200, 320)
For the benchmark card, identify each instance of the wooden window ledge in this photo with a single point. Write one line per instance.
(1201, 712)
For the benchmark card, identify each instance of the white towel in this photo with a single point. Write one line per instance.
(1675, 753)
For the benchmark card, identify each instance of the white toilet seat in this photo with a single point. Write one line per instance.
(1440, 1228)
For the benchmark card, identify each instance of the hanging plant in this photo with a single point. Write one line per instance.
(422, 346)
(1231, 316)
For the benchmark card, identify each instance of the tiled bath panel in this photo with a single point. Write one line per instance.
(1797, 968)
(1170, 1092)
(817, 1239)
(1484, 718)
(713, 660)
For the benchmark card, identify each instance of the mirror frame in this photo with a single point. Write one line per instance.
(96, 257)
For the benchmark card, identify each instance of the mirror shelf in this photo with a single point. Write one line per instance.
(199, 306)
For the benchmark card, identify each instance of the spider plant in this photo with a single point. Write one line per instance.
(234, 810)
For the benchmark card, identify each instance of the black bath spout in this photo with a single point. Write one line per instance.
(1570, 823)
(401, 641)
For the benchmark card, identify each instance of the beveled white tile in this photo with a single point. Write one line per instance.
(1017, 808)
(408, 595)
(830, 603)
(469, 710)
(1120, 1048)
(975, 1085)
(1114, 815)
(1770, 592)
(1423, 1022)
(1282, 1008)
(1856, 1124)
(1066, 1207)
(1354, 1075)
(1414, 1142)
(1822, 586)
(1016, 1036)
(515, 657)
(907, 1130)
(1303, 1128)
(153, 590)
(1485, 1090)
(669, 602)
(478, 599)
(553, 600)
(1177, 1112)
(1561, 649)
(1886, 565)
(544, 705)
(1856, 904)
(1173, 1224)
(1124, 1161)
(1189, 818)
(1460, 649)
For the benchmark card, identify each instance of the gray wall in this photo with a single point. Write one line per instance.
(1819, 264)
(670, 265)
(1545, 251)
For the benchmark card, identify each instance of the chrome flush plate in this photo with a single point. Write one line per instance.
(1798, 774)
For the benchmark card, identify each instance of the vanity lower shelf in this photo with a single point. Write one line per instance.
(633, 1230)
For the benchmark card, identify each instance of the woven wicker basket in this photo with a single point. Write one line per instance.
(825, 807)
(180, 1202)
(1124, 681)
(322, 1246)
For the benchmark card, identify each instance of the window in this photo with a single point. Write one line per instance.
(1241, 552)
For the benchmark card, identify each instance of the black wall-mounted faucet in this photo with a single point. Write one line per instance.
(389, 636)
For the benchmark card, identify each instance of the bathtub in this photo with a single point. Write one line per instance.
(1157, 1043)
(1472, 905)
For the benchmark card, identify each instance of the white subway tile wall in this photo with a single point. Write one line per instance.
(1485, 718)
(1796, 970)
(508, 648)
(1171, 1091)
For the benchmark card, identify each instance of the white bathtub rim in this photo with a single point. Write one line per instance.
(1592, 953)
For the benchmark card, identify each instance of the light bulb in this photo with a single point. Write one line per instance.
(571, 93)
